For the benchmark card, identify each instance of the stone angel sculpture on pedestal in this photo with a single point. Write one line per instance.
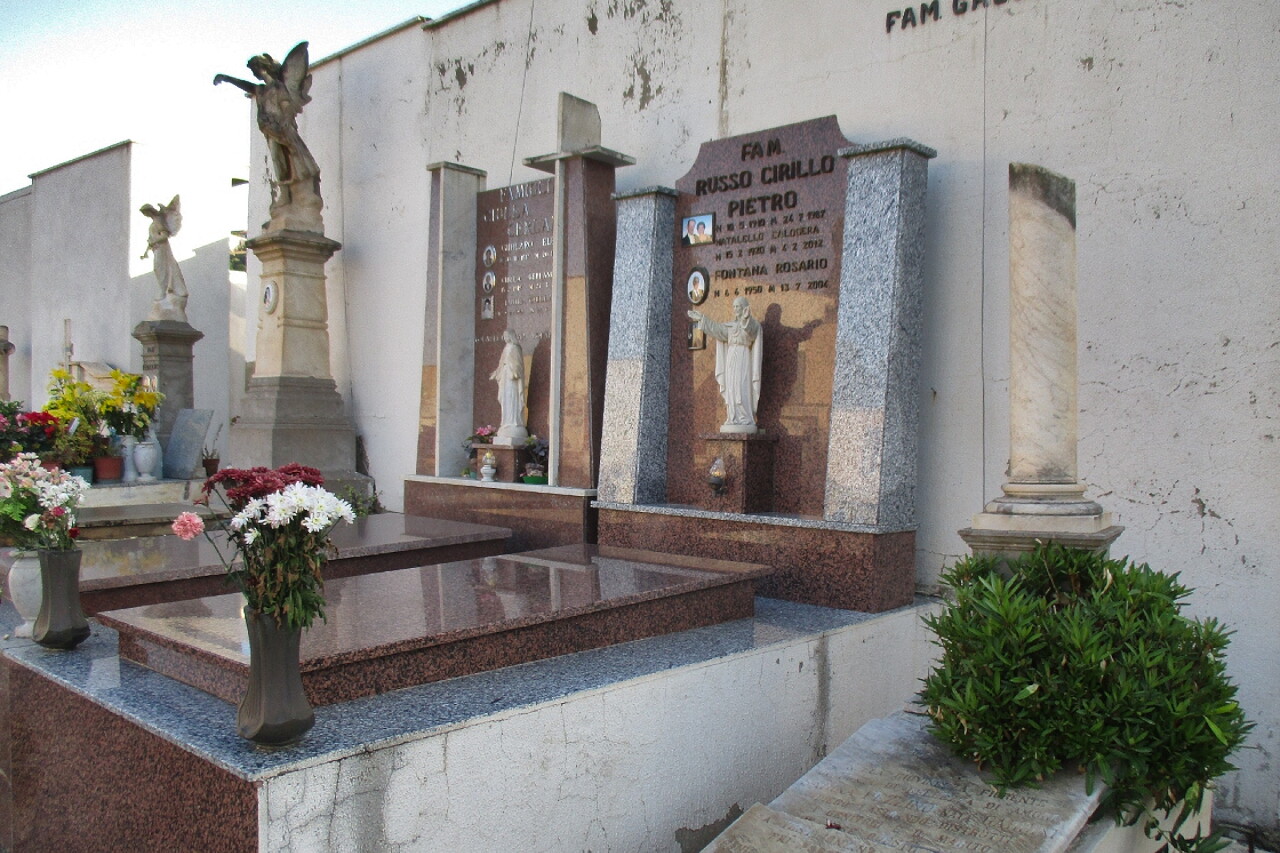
(166, 220)
(280, 96)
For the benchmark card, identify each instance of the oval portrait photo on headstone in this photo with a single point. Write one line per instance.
(696, 286)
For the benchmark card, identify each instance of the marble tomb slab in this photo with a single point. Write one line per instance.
(413, 626)
(122, 573)
(893, 786)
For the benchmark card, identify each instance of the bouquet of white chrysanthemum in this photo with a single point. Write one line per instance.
(280, 532)
(38, 505)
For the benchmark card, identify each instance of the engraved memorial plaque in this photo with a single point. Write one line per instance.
(762, 216)
(515, 235)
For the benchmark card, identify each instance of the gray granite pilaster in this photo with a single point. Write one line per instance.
(871, 456)
(448, 343)
(633, 453)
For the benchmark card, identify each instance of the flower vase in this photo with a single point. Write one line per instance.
(145, 457)
(128, 444)
(61, 623)
(24, 589)
(274, 710)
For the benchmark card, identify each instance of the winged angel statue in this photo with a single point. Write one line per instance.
(279, 98)
(165, 222)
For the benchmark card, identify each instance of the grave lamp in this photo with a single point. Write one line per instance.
(718, 477)
(488, 466)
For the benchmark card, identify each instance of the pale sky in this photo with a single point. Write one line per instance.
(79, 75)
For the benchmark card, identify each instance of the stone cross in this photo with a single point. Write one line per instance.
(6, 350)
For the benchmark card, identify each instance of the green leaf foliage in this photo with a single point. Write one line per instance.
(1066, 658)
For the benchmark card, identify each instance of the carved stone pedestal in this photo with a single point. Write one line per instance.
(167, 358)
(292, 411)
(748, 461)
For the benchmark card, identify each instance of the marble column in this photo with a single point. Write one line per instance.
(581, 289)
(1043, 498)
(6, 350)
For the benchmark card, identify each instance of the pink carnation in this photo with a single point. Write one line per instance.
(188, 525)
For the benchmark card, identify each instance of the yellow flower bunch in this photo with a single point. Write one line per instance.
(130, 404)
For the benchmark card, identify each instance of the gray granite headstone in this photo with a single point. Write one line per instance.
(633, 451)
(893, 786)
(871, 453)
(183, 455)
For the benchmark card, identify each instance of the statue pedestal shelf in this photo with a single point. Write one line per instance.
(748, 461)
(508, 460)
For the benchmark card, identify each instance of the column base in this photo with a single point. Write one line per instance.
(297, 419)
(1011, 527)
(1010, 544)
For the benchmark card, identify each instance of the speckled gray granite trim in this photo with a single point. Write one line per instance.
(633, 453)
(769, 518)
(900, 142)
(643, 191)
(871, 473)
(205, 726)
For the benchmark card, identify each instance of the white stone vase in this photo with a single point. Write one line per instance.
(128, 444)
(145, 457)
(24, 589)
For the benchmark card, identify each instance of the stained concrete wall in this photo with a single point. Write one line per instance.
(656, 763)
(1161, 112)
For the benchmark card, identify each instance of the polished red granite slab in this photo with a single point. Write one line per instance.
(538, 516)
(121, 573)
(181, 803)
(814, 563)
(413, 626)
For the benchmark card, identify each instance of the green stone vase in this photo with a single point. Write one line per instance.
(60, 623)
(274, 710)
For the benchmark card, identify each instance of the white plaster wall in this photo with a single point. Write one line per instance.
(1161, 112)
(622, 768)
(70, 246)
(80, 244)
(15, 297)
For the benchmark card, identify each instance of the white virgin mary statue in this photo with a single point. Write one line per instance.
(739, 358)
(512, 388)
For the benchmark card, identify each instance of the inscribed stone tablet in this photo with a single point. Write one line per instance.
(893, 784)
(763, 830)
(183, 455)
(515, 235)
(762, 216)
